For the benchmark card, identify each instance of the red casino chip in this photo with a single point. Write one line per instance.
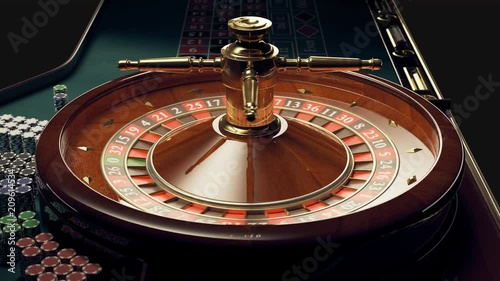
(32, 254)
(92, 270)
(50, 263)
(62, 270)
(32, 272)
(49, 248)
(24, 242)
(43, 237)
(76, 276)
(66, 254)
(47, 276)
(78, 262)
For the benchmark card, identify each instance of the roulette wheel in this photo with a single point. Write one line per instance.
(241, 161)
(254, 157)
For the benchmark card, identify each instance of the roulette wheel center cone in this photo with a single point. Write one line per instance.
(210, 166)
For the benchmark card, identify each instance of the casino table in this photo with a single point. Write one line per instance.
(109, 111)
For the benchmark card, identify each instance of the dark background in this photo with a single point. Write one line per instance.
(458, 42)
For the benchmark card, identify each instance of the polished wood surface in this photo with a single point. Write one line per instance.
(87, 122)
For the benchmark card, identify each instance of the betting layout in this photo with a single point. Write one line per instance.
(296, 29)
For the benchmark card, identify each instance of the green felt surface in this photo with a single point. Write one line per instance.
(156, 30)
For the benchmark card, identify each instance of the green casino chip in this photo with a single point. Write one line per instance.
(26, 215)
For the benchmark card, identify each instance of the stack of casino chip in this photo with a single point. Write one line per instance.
(3, 247)
(11, 227)
(29, 141)
(60, 96)
(30, 224)
(24, 242)
(4, 139)
(29, 255)
(17, 182)
(32, 252)
(25, 200)
(21, 229)
(15, 199)
(49, 248)
(5, 194)
(31, 227)
(46, 260)
(41, 258)
(19, 134)
(16, 141)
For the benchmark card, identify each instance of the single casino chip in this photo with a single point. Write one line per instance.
(60, 88)
(76, 276)
(78, 262)
(92, 271)
(25, 242)
(6, 117)
(62, 270)
(25, 180)
(31, 121)
(31, 164)
(37, 129)
(7, 182)
(4, 162)
(10, 125)
(14, 229)
(32, 272)
(28, 172)
(50, 262)
(7, 220)
(26, 215)
(49, 248)
(23, 127)
(66, 254)
(17, 163)
(32, 253)
(43, 123)
(24, 156)
(43, 237)
(9, 155)
(19, 119)
(47, 276)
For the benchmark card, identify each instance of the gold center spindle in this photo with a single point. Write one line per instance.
(249, 74)
(249, 68)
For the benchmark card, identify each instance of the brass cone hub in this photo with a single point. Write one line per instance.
(199, 164)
